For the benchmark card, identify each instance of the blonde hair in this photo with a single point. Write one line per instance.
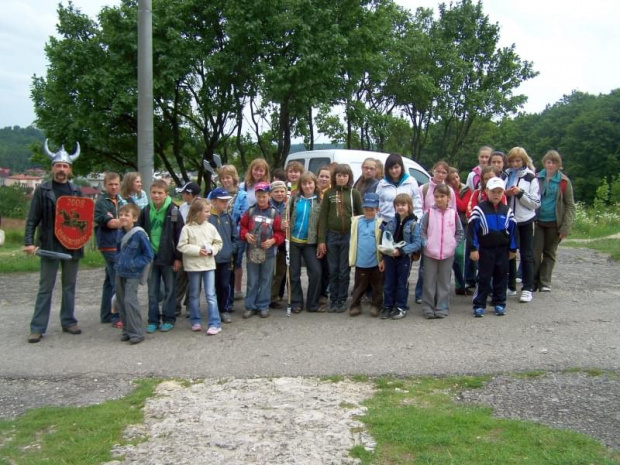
(404, 199)
(305, 177)
(196, 207)
(229, 170)
(131, 208)
(257, 162)
(519, 153)
(109, 176)
(554, 156)
(127, 184)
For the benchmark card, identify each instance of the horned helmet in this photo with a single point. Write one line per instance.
(62, 156)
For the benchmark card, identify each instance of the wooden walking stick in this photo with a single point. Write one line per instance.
(287, 246)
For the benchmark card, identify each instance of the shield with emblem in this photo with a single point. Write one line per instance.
(75, 217)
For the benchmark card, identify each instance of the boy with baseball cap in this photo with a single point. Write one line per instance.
(491, 237)
(224, 264)
(261, 229)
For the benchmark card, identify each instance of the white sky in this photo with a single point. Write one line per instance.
(572, 44)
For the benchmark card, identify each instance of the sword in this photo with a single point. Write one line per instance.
(53, 255)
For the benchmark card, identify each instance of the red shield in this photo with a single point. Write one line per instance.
(74, 221)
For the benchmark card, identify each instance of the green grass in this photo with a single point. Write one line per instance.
(416, 421)
(608, 246)
(13, 259)
(72, 435)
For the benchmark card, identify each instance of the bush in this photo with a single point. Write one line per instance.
(13, 202)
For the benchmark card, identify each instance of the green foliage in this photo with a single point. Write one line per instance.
(13, 202)
(72, 435)
(15, 143)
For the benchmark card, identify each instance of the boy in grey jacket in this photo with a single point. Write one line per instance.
(224, 264)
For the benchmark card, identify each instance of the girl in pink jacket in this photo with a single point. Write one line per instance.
(441, 232)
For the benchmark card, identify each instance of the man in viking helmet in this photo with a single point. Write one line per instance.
(41, 219)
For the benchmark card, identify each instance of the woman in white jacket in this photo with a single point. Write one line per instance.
(199, 243)
(397, 181)
(522, 193)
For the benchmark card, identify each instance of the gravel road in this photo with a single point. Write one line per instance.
(576, 325)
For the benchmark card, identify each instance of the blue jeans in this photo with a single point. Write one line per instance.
(208, 282)
(419, 285)
(109, 288)
(258, 293)
(458, 265)
(339, 270)
(159, 273)
(43, 304)
(396, 281)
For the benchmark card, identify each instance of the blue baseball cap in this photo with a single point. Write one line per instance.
(220, 193)
(371, 200)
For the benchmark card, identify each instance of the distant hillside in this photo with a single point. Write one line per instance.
(14, 147)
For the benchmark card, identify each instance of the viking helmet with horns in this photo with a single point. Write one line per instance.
(62, 156)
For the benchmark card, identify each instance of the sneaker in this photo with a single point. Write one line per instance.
(213, 330)
(418, 300)
(519, 280)
(354, 311)
(341, 308)
(385, 313)
(166, 327)
(197, 327)
(500, 310)
(478, 312)
(323, 300)
(73, 329)
(265, 314)
(545, 289)
(429, 316)
(333, 307)
(526, 296)
(151, 328)
(248, 314)
(511, 292)
(124, 337)
(33, 338)
(135, 340)
(296, 310)
(374, 311)
(118, 324)
(226, 318)
(239, 296)
(398, 314)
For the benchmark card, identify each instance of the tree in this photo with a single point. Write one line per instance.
(13, 202)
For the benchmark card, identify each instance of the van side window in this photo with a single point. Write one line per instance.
(316, 163)
(419, 176)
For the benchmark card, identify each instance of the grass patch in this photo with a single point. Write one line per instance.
(72, 435)
(13, 260)
(416, 421)
(529, 374)
(333, 379)
(608, 246)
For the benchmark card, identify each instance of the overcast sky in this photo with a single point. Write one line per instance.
(572, 44)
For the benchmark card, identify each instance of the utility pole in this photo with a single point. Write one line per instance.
(145, 93)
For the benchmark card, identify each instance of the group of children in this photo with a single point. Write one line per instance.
(326, 224)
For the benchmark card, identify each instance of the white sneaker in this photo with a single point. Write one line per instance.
(545, 289)
(213, 330)
(526, 296)
(510, 292)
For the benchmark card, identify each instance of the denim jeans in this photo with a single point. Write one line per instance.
(313, 267)
(43, 304)
(396, 281)
(458, 266)
(109, 288)
(258, 293)
(339, 270)
(159, 273)
(224, 288)
(208, 282)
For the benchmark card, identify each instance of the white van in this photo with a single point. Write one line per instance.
(313, 160)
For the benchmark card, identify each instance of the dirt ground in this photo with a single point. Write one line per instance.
(574, 326)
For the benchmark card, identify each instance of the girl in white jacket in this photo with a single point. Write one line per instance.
(397, 181)
(522, 193)
(199, 243)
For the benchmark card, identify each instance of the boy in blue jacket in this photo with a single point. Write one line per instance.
(224, 261)
(491, 238)
(134, 253)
